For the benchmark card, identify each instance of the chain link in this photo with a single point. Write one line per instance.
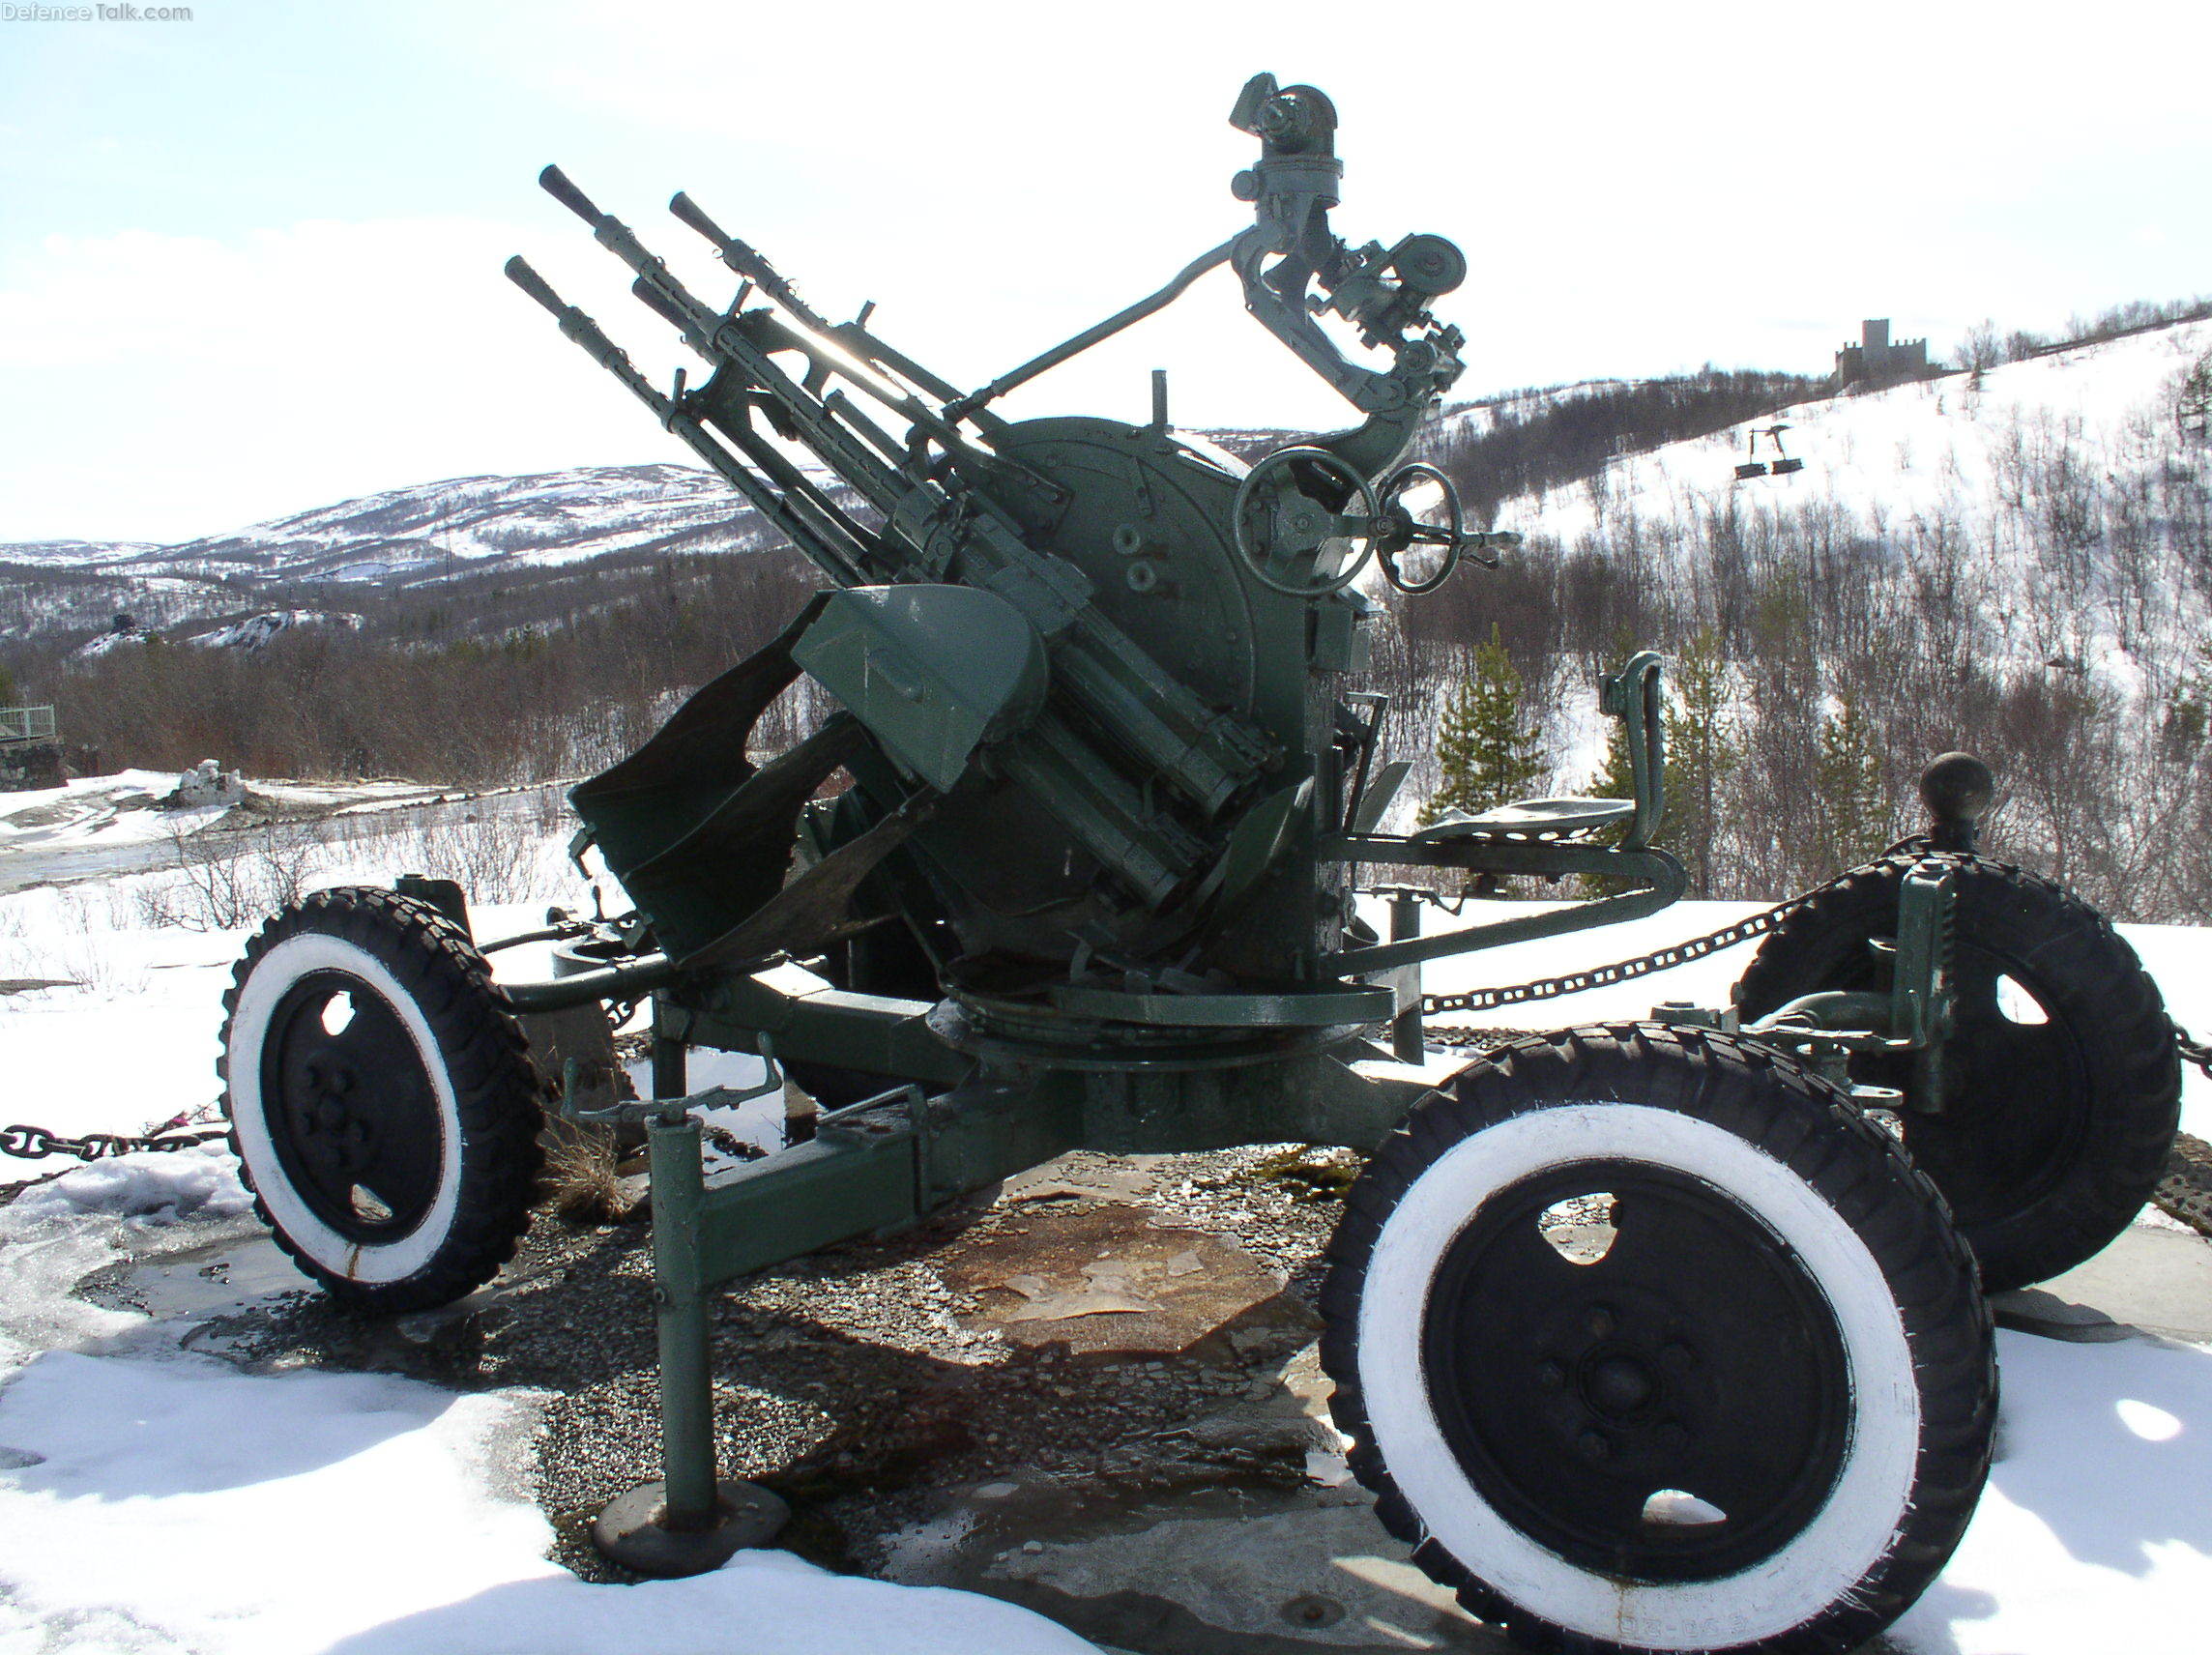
(1626, 970)
(2193, 1049)
(32, 1142)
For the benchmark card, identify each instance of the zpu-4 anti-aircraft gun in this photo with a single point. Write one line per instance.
(1091, 882)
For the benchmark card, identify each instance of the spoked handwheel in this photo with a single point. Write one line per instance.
(1402, 531)
(2062, 1085)
(1278, 526)
(381, 1099)
(1648, 1341)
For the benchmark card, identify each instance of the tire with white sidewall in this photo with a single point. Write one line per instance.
(381, 1099)
(1822, 1212)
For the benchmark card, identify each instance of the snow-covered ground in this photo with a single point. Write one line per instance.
(132, 823)
(153, 1499)
(126, 808)
(158, 1500)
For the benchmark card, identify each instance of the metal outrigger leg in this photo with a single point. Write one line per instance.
(872, 1167)
(691, 1520)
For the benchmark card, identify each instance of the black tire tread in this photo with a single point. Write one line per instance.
(1816, 1131)
(495, 1089)
(2138, 1106)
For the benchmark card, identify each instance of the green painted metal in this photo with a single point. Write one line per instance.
(1913, 1017)
(1112, 780)
(931, 671)
(680, 1280)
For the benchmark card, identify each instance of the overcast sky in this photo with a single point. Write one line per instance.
(249, 263)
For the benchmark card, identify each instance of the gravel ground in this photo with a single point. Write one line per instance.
(856, 1383)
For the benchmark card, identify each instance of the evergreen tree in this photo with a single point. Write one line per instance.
(1701, 755)
(7, 687)
(1487, 749)
(1847, 777)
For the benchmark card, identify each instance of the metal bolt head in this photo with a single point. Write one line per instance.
(1551, 1376)
(1600, 1322)
(1595, 1445)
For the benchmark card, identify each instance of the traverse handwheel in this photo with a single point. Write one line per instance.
(1277, 523)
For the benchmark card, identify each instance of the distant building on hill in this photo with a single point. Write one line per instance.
(1874, 360)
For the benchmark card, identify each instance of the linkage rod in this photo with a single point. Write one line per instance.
(1083, 341)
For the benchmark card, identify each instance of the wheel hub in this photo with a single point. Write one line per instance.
(1618, 1386)
(1618, 1379)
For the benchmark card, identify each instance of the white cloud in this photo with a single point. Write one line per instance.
(164, 385)
(1640, 188)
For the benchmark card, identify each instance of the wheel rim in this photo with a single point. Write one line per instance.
(2018, 1095)
(1677, 1408)
(351, 1109)
(2030, 1077)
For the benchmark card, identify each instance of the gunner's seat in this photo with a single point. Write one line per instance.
(1528, 821)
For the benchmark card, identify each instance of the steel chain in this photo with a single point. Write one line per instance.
(35, 1142)
(2193, 1049)
(32, 1142)
(1629, 970)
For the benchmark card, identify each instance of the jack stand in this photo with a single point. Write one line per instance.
(1407, 1042)
(692, 1521)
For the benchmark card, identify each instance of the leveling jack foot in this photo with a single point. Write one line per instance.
(631, 1530)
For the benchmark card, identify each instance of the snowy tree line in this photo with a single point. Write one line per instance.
(520, 677)
(1821, 656)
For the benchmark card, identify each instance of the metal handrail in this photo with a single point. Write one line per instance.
(26, 723)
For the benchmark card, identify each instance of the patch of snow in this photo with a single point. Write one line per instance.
(108, 809)
(2093, 1536)
(200, 1182)
(159, 1505)
(257, 630)
(108, 643)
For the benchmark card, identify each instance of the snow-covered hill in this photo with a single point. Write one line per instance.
(435, 530)
(2064, 489)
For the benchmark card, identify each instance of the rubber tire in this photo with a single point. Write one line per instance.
(2108, 1014)
(1910, 1279)
(425, 969)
